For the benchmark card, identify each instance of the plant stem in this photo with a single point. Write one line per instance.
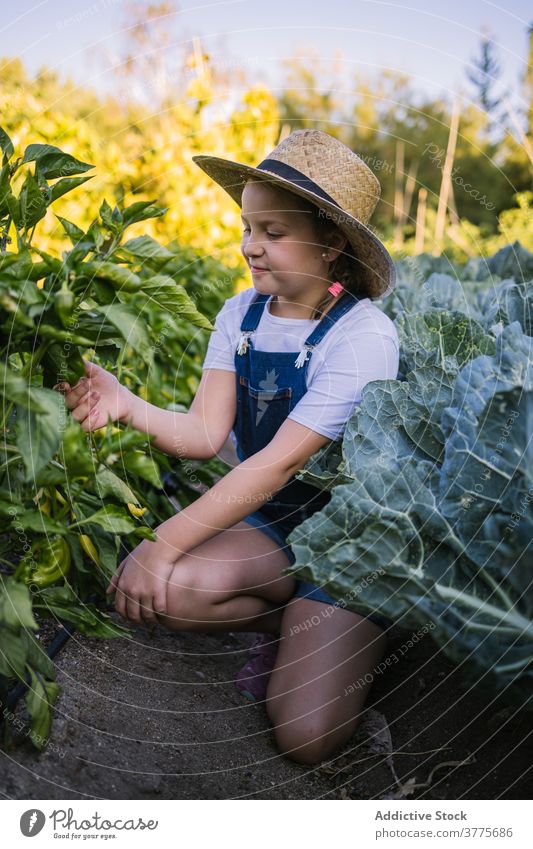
(517, 621)
(30, 237)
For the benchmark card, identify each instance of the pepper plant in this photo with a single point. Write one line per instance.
(68, 498)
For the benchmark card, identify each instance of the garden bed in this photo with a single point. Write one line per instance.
(160, 718)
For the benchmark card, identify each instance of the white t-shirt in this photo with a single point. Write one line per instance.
(361, 346)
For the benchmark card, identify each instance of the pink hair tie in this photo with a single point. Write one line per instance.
(335, 288)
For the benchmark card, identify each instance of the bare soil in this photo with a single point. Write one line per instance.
(159, 718)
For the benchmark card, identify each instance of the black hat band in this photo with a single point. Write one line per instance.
(281, 169)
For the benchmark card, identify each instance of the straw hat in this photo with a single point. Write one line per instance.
(318, 167)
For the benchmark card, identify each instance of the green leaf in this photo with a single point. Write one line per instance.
(6, 145)
(507, 302)
(145, 467)
(111, 518)
(66, 185)
(121, 278)
(96, 234)
(16, 266)
(36, 656)
(141, 211)
(36, 520)
(15, 604)
(10, 507)
(118, 443)
(32, 203)
(441, 338)
(131, 325)
(146, 248)
(111, 218)
(441, 291)
(487, 473)
(444, 547)
(75, 451)
(62, 362)
(376, 432)
(39, 434)
(52, 162)
(398, 419)
(107, 545)
(107, 483)
(13, 652)
(325, 468)
(170, 296)
(51, 476)
(5, 188)
(13, 207)
(144, 532)
(55, 265)
(512, 261)
(72, 230)
(62, 602)
(15, 388)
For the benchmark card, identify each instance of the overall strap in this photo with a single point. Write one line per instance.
(337, 311)
(251, 321)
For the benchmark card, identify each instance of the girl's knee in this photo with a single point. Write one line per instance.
(194, 590)
(187, 601)
(311, 741)
(305, 747)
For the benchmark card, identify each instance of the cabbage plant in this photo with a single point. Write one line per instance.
(431, 511)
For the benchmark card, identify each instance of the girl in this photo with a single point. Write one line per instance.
(283, 373)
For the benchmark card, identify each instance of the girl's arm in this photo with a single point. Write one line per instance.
(141, 580)
(197, 434)
(241, 491)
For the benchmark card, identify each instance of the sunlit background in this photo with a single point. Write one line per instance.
(438, 100)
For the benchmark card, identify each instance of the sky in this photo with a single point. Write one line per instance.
(432, 41)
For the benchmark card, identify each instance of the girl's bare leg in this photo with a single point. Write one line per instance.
(232, 582)
(317, 690)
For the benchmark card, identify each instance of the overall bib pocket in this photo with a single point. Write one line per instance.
(260, 412)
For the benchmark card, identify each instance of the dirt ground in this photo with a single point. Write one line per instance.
(160, 718)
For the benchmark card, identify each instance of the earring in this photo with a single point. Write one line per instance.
(325, 254)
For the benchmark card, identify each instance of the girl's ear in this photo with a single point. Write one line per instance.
(337, 243)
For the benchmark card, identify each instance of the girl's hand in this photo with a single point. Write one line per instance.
(96, 397)
(141, 583)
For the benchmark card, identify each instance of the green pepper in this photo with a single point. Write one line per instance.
(64, 303)
(75, 452)
(52, 559)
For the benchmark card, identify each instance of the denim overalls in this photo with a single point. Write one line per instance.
(269, 385)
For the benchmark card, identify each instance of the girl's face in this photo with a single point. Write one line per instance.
(279, 245)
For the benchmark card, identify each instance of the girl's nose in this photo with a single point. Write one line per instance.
(251, 252)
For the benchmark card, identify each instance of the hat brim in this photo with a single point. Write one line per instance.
(375, 261)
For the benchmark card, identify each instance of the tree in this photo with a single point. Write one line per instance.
(484, 75)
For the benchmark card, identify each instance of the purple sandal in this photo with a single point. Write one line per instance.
(252, 679)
